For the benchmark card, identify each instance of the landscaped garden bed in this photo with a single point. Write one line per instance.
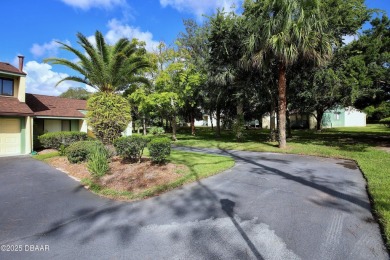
(131, 175)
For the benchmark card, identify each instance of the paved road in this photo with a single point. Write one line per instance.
(269, 206)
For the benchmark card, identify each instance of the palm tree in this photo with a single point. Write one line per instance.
(284, 31)
(103, 67)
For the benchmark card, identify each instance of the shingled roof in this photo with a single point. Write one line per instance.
(6, 67)
(11, 106)
(53, 106)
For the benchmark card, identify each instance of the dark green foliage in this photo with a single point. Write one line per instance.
(56, 139)
(131, 147)
(76, 93)
(79, 151)
(159, 149)
(156, 130)
(385, 121)
(97, 161)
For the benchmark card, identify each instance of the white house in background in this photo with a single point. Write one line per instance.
(338, 117)
(344, 117)
(266, 120)
(206, 121)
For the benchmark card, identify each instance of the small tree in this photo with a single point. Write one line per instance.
(108, 115)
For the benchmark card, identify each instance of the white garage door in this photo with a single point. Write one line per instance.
(10, 137)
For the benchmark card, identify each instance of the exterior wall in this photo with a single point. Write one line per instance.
(266, 121)
(354, 117)
(206, 121)
(83, 126)
(343, 117)
(129, 130)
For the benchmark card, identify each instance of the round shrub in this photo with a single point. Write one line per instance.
(131, 147)
(159, 149)
(79, 151)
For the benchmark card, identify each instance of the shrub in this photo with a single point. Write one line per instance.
(56, 139)
(79, 151)
(159, 149)
(131, 147)
(385, 121)
(108, 115)
(155, 130)
(97, 161)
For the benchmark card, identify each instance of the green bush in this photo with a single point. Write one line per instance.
(155, 130)
(385, 121)
(159, 149)
(56, 139)
(98, 161)
(131, 147)
(108, 115)
(79, 151)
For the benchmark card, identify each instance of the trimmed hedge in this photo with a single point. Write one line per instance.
(385, 121)
(56, 139)
(79, 151)
(131, 147)
(159, 149)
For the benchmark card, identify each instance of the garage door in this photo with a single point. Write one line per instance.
(10, 137)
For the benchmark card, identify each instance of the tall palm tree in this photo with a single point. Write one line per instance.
(104, 67)
(286, 30)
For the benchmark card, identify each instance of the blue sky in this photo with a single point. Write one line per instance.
(31, 28)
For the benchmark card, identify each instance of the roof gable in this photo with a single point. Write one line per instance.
(8, 68)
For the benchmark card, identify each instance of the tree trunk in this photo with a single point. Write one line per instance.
(166, 125)
(272, 126)
(211, 120)
(144, 125)
(320, 115)
(218, 117)
(173, 122)
(289, 134)
(192, 118)
(282, 105)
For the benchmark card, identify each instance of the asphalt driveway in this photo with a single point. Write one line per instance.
(268, 206)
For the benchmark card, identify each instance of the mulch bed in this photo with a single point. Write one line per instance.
(124, 175)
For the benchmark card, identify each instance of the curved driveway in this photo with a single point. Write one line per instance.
(268, 206)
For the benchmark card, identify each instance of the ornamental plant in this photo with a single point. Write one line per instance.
(108, 115)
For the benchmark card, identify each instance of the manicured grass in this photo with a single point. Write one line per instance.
(43, 157)
(199, 165)
(358, 144)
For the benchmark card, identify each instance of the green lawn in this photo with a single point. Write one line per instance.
(359, 144)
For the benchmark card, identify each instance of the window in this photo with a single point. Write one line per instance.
(65, 125)
(6, 87)
(337, 116)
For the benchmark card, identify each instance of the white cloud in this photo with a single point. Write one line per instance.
(201, 7)
(349, 38)
(88, 4)
(41, 79)
(119, 30)
(46, 49)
